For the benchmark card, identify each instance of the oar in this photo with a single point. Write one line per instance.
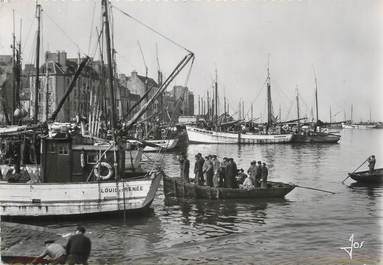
(355, 170)
(309, 188)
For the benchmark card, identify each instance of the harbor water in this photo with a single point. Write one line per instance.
(307, 227)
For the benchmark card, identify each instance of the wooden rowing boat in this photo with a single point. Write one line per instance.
(175, 187)
(366, 177)
(24, 260)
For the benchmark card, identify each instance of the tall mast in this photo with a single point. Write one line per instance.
(297, 97)
(269, 107)
(110, 63)
(216, 96)
(37, 64)
(18, 79)
(252, 116)
(352, 110)
(316, 96)
(330, 114)
(14, 70)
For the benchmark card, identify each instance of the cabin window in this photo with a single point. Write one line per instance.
(52, 148)
(62, 149)
(92, 158)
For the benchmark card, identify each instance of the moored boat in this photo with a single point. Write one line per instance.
(315, 137)
(176, 187)
(366, 177)
(157, 145)
(86, 183)
(24, 260)
(203, 136)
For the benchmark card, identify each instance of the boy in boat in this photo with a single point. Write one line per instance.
(265, 173)
(247, 184)
(371, 164)
(54, 251)
(241, 177)
(78, 248)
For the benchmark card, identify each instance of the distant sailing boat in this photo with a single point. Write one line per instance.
(312, 136)
(201, 135)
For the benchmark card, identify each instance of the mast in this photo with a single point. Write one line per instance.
(269, 107)
(330, 114)
(37, 64)
(110, 63)
(239, 110)
(216, 97)
(352, 110)
(46, 91)
(316, 97)
(297, 97)
(18, 77)
(14, 71)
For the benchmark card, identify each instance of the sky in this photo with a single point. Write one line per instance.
(341, 40)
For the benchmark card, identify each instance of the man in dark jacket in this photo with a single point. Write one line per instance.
(78, 248)
(185, 168)
(230, 174)
(198, 169)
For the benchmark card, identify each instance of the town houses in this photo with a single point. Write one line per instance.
(55, 74)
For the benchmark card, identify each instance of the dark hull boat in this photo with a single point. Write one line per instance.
(175, 187)
(24, 260)
(366, 177)
(316, 137)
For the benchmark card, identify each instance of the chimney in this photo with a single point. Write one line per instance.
(62, 59)
(134, 74)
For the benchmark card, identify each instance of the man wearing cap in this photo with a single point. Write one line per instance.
(54, 251)
(78, 247)
(371, 164)
(265, 173)
(185, 168)
(199, 161)
(252, 171)
(216, 167)
(258, 174)
(208, 170)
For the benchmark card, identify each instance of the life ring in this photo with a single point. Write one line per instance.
(97, 171)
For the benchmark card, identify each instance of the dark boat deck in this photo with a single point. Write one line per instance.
(366, 177)
(175, 187)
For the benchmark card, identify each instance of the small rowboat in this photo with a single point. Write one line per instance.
(175, 187)
(24, 260)
(366, 177)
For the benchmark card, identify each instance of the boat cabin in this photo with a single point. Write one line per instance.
(63, 161)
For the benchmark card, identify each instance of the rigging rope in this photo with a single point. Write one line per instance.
(150, 28)
(66, 35)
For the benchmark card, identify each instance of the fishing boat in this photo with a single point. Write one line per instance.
(315, 135)
(272, 134)
(176, 187)
(157, 145)
(366, 177)
(204, 136)
(75, 178)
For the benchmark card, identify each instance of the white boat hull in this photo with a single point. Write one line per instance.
(66, 199)
(197, 135)
(166, 144)
(358, 126)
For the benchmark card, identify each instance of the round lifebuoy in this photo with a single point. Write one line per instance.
(97, 170)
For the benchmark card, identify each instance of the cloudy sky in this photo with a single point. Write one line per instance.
(341, 39)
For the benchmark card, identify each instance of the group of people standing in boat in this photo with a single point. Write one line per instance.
(210, 171)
